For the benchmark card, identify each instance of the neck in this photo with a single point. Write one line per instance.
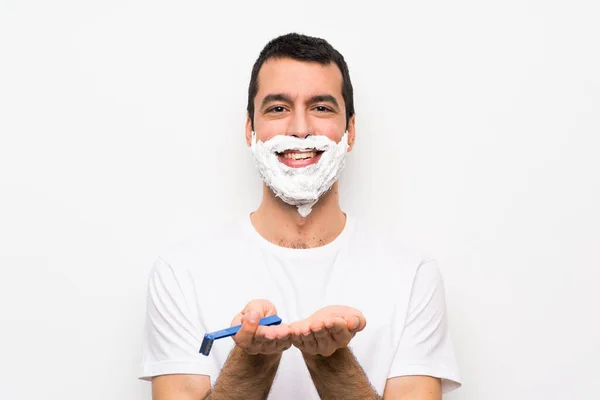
(281, 224)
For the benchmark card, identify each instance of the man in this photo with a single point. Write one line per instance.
(301, 257)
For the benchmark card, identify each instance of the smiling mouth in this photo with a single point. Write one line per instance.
(300, 155)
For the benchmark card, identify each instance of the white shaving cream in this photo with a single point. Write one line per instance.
(300, 187)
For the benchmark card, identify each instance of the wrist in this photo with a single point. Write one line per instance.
(318, 358)
(258, 360)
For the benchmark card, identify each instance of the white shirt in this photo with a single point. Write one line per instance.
(199, 285)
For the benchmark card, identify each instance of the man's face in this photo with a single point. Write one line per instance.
(299, 98)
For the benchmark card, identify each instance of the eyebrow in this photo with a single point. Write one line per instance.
(324, 98)
(270, 98)
(320, 98)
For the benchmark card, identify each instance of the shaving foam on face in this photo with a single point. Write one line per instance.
(300, 187)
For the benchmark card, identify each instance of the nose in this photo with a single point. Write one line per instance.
(299, 126)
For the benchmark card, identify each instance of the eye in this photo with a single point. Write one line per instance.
(277, 109)
(322, 109)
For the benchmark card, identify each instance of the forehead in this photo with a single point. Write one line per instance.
(285, 75)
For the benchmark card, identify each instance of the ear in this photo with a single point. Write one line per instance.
(351, 132)
(248, 130)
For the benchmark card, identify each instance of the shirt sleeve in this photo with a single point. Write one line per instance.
(171, 335)
(425, 346)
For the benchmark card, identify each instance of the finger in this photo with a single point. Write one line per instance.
(316, 325)
(304, 328)
(300, 328)
(262, 306)
(319, 330)
(297, 341)
(272, 339)
(265, 335)
(309, 343)
(295, 328)
(283, 344)
(353, 323)
(295, 335)
(277, 331)
(266, 307)
(339, 331)
(356, 321)
(339, 325)
(268, 347)
(325, 342)
(322, 334)
(245, 335)
(329, 322)
(362, 323)
(282, 331)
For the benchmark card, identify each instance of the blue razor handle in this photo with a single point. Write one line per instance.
(209, 338)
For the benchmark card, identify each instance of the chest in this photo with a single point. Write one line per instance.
(300, 287)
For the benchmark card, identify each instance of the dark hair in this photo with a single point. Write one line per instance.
(302, 48)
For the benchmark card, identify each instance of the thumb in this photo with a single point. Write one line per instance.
(251, 318)
(267, 308)
(249, 326)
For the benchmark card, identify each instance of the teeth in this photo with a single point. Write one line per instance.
(300, 156)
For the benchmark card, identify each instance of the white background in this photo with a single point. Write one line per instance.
(121, 129)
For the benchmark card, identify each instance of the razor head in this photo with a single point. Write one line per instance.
(207, 344)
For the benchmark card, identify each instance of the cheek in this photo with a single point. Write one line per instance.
(332, 128)
(334, 133)
(267, 129)
(265, 134)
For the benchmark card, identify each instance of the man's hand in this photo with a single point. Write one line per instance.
(327, 330)
(255, 339)
(252, 364)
